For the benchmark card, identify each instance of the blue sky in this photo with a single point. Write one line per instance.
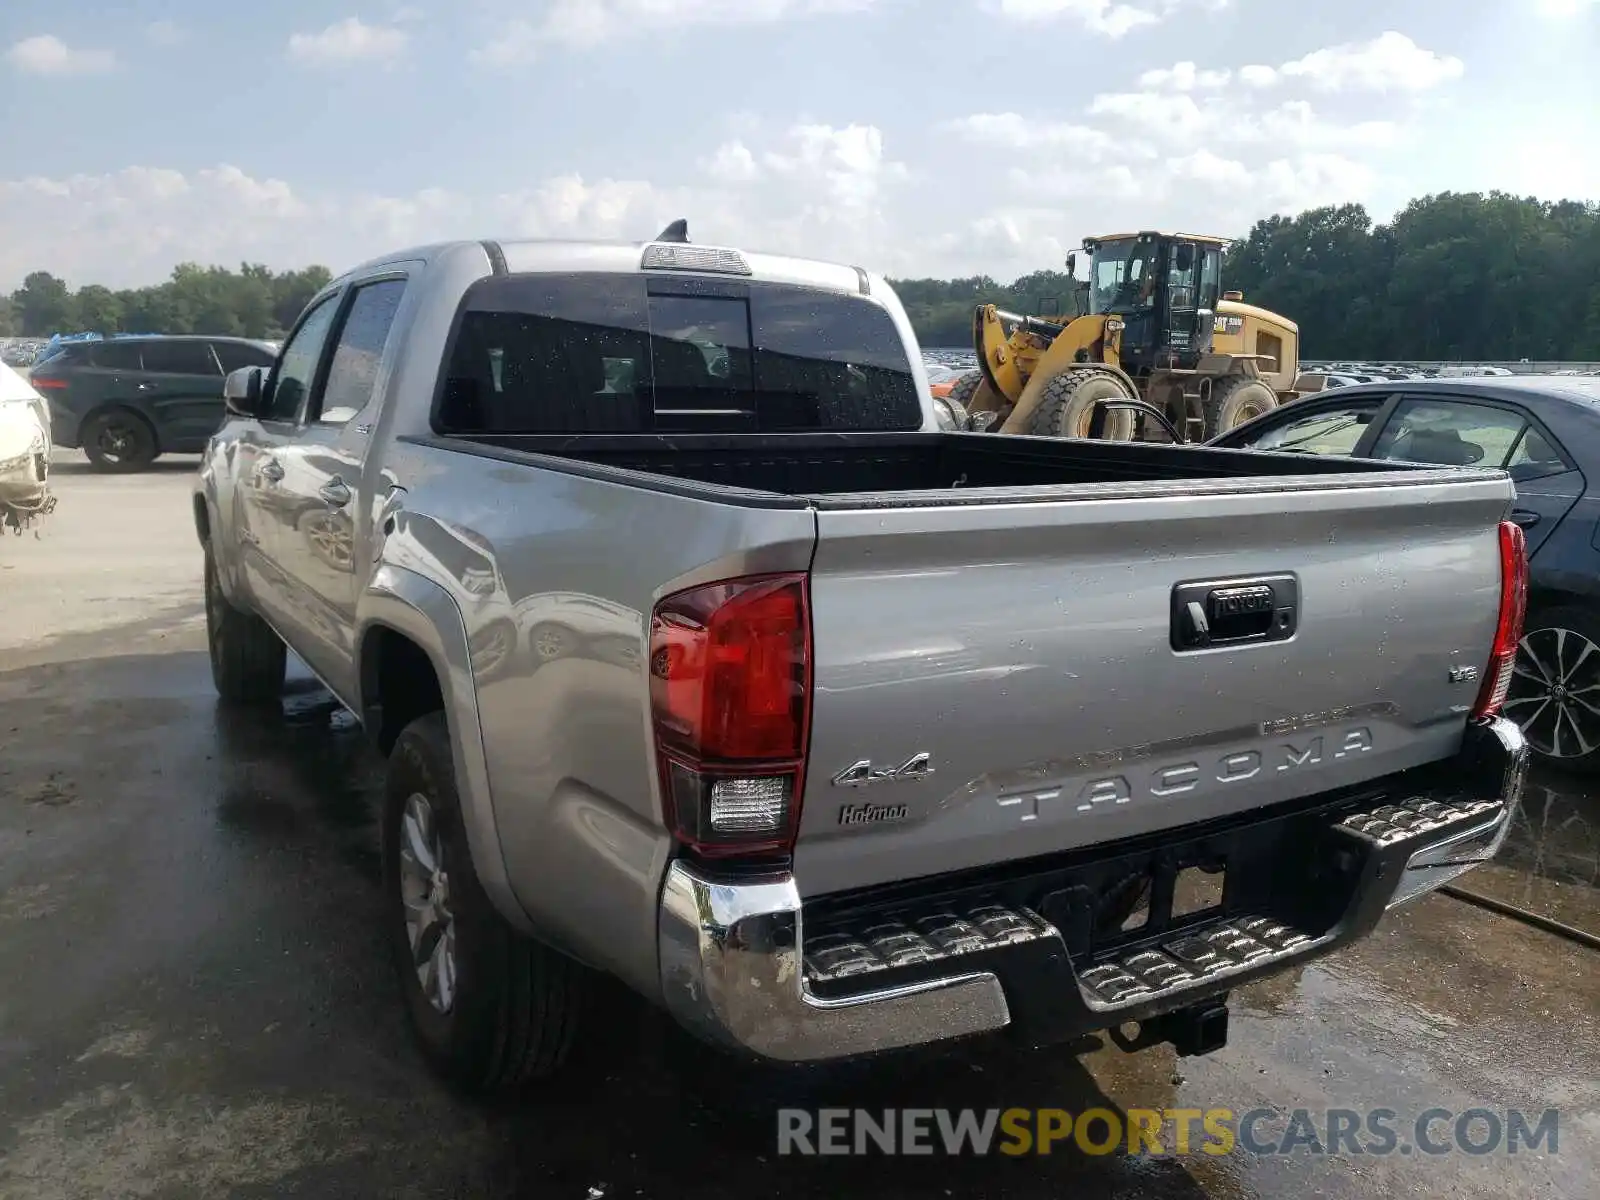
(908, 135)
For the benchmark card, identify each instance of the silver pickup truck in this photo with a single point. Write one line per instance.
(704, 658)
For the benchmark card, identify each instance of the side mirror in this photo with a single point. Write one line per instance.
(1072, 264)
(242, 391)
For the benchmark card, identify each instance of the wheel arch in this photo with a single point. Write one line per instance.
(408, 629)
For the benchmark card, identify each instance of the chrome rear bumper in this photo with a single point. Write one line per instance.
(737, 970)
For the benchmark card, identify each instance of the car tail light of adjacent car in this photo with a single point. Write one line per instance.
(1508, 629)
(730, 693)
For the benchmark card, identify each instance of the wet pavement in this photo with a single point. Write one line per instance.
(194, 999)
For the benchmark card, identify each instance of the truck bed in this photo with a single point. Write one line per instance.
(928, 468)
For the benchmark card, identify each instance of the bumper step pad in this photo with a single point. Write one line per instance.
(1416, 818)
(1205, 953)
(905, 939)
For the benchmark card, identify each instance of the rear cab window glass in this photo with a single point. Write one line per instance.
(180, 358)
(590, 353)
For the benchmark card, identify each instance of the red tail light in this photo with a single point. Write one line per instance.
(1508, 631)
(730, 695)
(43, 383)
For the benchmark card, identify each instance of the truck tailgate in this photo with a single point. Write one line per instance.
(1033, 651)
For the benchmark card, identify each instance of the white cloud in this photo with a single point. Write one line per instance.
(1185, 77)
(1098, 16)
(166, 33)
(1562, 9)
(1391, 62)
(347, 41)
(810, 189)
(47, 54)
(1258, 76)
(1013, 131)
(587, 23)
(1109, 18)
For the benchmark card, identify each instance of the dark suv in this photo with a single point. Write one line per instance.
(125, 400)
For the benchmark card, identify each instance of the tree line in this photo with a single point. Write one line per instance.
(254, 301)
(1451, 276)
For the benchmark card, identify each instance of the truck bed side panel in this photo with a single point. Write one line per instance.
(1025, 649)
(556, 575)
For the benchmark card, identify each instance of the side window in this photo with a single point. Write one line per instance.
(1535, 457)
(297, 368)
(1331, 431)
(1450, 433)
(233, 355)
(358, 352)
(180, 358)
(115, 356)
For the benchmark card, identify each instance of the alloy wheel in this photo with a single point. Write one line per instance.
(425, 892)
(1555, 692)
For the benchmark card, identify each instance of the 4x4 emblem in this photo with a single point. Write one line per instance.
(863, 774)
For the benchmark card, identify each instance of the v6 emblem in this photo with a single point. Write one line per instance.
(863, 774)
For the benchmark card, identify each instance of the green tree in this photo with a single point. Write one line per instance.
(99, 309)
(44, 305)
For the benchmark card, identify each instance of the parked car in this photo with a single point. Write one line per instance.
(24, 452)
(827, 730)
(1545, 432)
(127, 400)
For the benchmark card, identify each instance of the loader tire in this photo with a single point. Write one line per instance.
(972, 392)
(1235, 400)
(1067, 406)
(248, 660)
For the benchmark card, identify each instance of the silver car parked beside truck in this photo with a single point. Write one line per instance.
(871, 734)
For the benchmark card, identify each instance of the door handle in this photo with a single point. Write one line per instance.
(1218, 613)
(272, 471)
(1525, 517)
(144, 385)
(335, 492)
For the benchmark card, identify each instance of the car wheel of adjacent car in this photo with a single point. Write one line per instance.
(551, 641)
(248, 659)
(328, 534)
(493, 648)
(118, 439)
(1066, 407)
(492, 1011)
(1555, 689)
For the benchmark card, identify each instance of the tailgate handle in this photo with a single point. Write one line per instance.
(1217, 613)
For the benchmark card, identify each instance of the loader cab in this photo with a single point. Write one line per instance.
(1164, 288)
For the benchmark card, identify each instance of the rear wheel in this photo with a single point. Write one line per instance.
(1066, 409)
(1555, 690)
(1235, 400)
(973, 394)
(248, 660)
(491, 1010)
(118, 439)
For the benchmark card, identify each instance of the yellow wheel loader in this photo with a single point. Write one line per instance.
(1157, 342)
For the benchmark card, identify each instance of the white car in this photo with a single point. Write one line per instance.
(24, 451)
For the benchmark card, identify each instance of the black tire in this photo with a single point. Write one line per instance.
(1067, 406)
(1235, 399)
(1558, 662)
(515, 1004)
(960, 419)
(248, 660)
(118, 440)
